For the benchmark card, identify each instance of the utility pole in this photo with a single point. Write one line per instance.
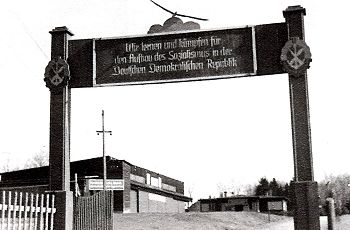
(103, 149)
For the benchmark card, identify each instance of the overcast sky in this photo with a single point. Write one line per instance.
(207, 134)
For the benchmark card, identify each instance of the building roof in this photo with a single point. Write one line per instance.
(39, 176)
(146, 187)
(223, 199)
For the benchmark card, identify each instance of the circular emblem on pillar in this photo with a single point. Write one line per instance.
(296, 57)
(57, 74)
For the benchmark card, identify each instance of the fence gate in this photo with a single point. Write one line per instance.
(26, 211)
(94, 212)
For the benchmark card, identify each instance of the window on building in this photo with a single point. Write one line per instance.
(154, 181)
(159, 182)
(148, 179)
(168, 187)
(137, 178)
(211, 207)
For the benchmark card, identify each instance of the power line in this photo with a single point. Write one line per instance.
(26, 30)
(34, 40)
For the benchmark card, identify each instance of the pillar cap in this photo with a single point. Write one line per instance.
(293, 10)
(61, 29)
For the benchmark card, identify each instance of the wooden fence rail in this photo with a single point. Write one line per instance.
(94, 212)
(26, 211)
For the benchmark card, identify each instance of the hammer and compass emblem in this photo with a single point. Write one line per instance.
(296, 57)
(57, 74)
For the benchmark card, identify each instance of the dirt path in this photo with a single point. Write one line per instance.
(213, 221)
(342, 223)
(195, 221)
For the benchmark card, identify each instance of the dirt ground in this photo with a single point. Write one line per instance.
(213, 221)
(342, 223)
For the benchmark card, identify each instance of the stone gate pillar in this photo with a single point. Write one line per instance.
(306, 215)
(57, 78)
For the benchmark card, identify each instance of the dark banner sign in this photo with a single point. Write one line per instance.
(175, 57)
(184, 56)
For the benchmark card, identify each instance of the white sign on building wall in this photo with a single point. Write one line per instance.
(156, 197)
(275, 205)
(111, 184)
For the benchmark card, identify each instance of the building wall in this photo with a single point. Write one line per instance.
(250, 203)
(273, 204)
(39, 174)
(125, 201)
(142, 175)
(143, 202)
(195, 207)
(114, 171)
(277, 205)
(150, 202)
(174, 206)
(134, 201)
(225, 204)
(285, 208)
(255, 206)
(29, 189)
(204, 207)
(127, 187)
(118, 204)
(156, 203)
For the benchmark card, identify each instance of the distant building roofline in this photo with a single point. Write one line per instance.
(246, 197)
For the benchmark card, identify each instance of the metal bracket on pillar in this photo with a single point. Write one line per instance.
(57, 75)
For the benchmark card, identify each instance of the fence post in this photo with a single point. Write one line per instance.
(9, 210)
(14, 211)
(36, 211)
(26, 208)
(20, 210)
(3, 210)
(47, 211)
(330, 213)
(52, 211)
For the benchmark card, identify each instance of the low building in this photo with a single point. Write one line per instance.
(142, 190)
(241, 203)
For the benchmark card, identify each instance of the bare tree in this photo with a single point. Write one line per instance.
(338, 188)
(6, 164)
(233, 188)
(190, 191)
(249, 190)
(38, 160)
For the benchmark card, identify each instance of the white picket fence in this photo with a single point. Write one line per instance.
(26, 211)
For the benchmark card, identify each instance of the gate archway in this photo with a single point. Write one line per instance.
(214, 54)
